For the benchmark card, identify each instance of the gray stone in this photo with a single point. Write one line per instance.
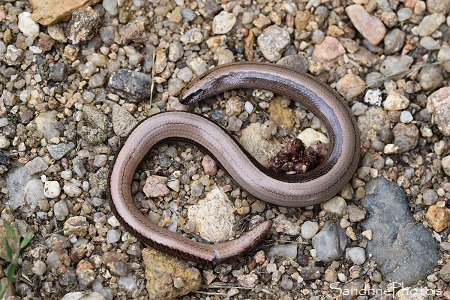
(273, 41)
(36, 165)
(130, 85)
(404, 250)
(394, 40)
(87, 295)
(431, 77)
(123, 121)
(57, 151)
(396, 67)
(330, 242)
(283, 251)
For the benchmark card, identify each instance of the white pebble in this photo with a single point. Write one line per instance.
(335, 205)
(113, 221)
(28, 26)
(356, 254)
(309, 136)
(223, 22)
(72, 190)
(66, 174)
(309, 229)
(249, 107)
(52, 189)
(406, 117)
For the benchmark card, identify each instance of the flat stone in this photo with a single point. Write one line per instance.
(130, 85)
(329, 51)
(123, 121)
(404, 250)
(330, 242)
(58, 151)
(36, 165)
(48, 12)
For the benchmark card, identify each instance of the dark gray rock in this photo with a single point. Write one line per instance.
(131, 85)
(404, 250)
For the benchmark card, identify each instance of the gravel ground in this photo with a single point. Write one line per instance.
(76, 79)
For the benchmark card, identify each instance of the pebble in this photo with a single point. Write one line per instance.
(396, 67)
(113, 236)
(123, 122)
(110, 6)
(28, 26)
(443, 56)
(128, 282)
(350, 86)
(61, 210)
(287, 251)
(192, 36)
(444, 273)
(396, 235)
(438, 104)
(431, 77)
(309, 229)
(406, 136)
(404, 13)
(406, 117)
(155, 186)
(368, 25)
(161, 271)
(72, 190)
(438, 216)
(58, 151)
(185, 74)
(446, 164)
(430, 24)
(438, 6)
(335, 205)
(188, 14)
(213, 216)
(52, 189)
(209, 165)
(223, 22)
(86, 295)
(286, 226)
(176, 51)
(4, 142)
(374, 120)
(356, 254)
(257, 145)
(273, 41)
(394, 40)
(329, 51)
(76, 225)
(430, 197)
(355, 214)
(36, 165)
(310, 136)
(395, 101)
(198, 66)
(429, 43)
(83, 24)
(330, 242)
(131, 85)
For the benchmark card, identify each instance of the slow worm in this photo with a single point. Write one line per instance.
(315, 186)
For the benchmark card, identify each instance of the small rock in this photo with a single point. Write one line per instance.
(176, 51)
(213, 216)
(110, 6)
(438, 6)
(131, 85)
(123, 121)
(259, 147)
(430, 24)
(61, 210)
(395, 101)
(209, 165)
(46, 124)
(58, 151)
(28, 26)
(72, 190)
(161, 271)
(76, 225)
(83, 296)
(445, 272)
(446, 165)
(309, 229)
(429, 43)
(192, 36)
(223, 22)
(431, 77)
(330, 242)
(335, 205)
(396, 67)
(329, 51)
(52, 189)
(286, 226)
(175, 86)
(36, 165)
(51, 11)
(404, 13)
(350, 86)
(443, 56)
(174, 185)
(356, 254)
(113, 236)
(198, 66)
(248, 280)
(394, 40)
(406, 136)
(438, 217)
(438, 105)
(273, 41)
(83, 24)
(374, 120)
(368, 25)
(155, 186)
(283, 251)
